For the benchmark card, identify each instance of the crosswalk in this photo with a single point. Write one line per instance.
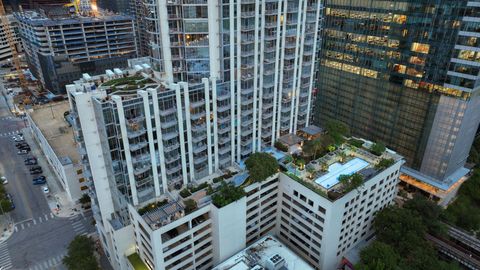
(78, 225)
(6, 118)
(5, 261)
(11, 133)
(32, 222)
(48, 264)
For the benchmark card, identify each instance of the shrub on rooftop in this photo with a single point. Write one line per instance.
(378, 148)
(226, 194)
(261, 165)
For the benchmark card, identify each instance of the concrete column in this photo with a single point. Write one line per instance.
(260, 95)
(126, 147)
(295, 66)
(151, 145)
(309, 106)
(300, 67)
(158, 128)
(213, 38)
(282, 49)
(276, 86)
(186, 97)
(239, 81)
(165, 38)
(232, 82)
(215, 122)
(181, 132)
(208, 123)
(255, 77)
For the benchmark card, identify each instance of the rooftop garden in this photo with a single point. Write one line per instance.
(186, 192)
(152, 206)
(137, 262)
(227, 193)
(128, 83)
(260, 166)
(350, 182)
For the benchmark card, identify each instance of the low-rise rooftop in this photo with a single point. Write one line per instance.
(266, 253)
(50, 120)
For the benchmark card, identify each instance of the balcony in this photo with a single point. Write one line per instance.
(137, 170)
(135, 133)
(168, 148)
(138, 146)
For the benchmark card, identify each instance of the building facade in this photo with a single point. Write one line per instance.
(263, 51)
(404, 72)
(5, 49)
(60, 49)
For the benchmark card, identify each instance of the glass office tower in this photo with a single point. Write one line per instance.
(405, 73)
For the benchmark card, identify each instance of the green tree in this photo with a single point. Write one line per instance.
(429, 212)
(261, 165)
(337, 130)
(379, 255)
(395, 225)
(85, 199)
(190, 205)
(313, 148)
(6, 205)
(80, 254)
(378, 148)
(226, 194)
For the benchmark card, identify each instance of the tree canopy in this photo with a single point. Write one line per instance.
(261, 165)
(400, 242)
(226, 194)
(464, 212)
(378, 148)
(337, 130)
(80, 254)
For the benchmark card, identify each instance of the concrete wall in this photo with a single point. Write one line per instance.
(66, 172)
(228, 229)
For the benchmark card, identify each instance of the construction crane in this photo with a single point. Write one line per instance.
(75, 4)
(11, 43)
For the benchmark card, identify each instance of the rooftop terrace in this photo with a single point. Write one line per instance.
(50, 120)
(338, 171)
(266, 253)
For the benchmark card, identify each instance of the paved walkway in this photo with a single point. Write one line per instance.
(6, 227)
(57, 198)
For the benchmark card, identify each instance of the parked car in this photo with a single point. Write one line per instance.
(35, 168)
(4, 180)
(9, 197)
(21, 144)
(25, 148)
(39, 182)
(31, 162)
(23, 152)
(41, 177)
(38, 171)
(30, 159)
(46, 190)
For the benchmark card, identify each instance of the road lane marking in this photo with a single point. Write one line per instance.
(46, 217)
(51, 215)
(23, 227)
(34, 222)
(40, 219)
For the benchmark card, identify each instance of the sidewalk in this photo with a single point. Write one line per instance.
(6, 227)
(57, 198)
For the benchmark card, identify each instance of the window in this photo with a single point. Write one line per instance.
(81, 180)
(79, 171)
(421, 48)
(83, 188)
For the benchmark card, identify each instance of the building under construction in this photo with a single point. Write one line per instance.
(61, 45)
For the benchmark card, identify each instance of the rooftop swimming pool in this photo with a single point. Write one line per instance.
(336, 169)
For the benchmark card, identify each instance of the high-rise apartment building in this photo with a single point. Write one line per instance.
(263, 52)
(405, 73)
(60, 46)
(5, 49)
(142, 140)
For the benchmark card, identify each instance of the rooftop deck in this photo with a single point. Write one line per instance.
(50, 120)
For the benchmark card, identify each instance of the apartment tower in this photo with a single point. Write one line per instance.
(405, 73)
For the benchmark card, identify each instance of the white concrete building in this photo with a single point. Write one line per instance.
(54, 135)
(143, 218)
(5, 49)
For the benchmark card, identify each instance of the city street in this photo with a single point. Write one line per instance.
(40, 239)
